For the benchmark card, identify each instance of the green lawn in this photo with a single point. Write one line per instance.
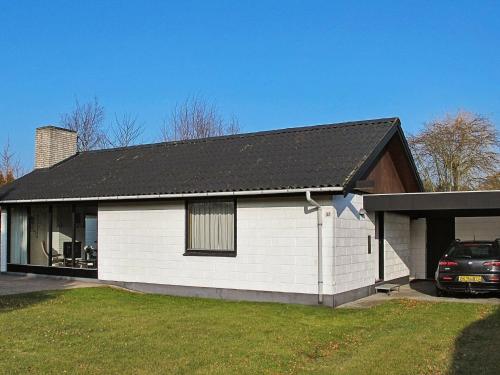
(109, 331)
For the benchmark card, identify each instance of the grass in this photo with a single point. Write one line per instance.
(110, 331)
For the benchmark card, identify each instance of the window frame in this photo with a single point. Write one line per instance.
(208, 252)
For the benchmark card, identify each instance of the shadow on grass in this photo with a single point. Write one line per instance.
(14, 302)
(476, 349)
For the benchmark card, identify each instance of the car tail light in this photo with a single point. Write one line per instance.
(447, 263)
(494, 278)
(447, 278)
(492, 264)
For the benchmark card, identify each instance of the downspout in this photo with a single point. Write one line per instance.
(319, 213)
(334, 251)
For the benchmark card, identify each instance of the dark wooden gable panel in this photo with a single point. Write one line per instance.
(392, 172)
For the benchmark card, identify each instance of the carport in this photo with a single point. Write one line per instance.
(438, 218)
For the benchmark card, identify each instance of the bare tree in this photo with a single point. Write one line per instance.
(456, 152)
(233, 126)
(10, 165)
(491, 182)
(125, 131)
(197, 118)
(87, 120)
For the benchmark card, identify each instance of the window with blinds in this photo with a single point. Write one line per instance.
(211, 227)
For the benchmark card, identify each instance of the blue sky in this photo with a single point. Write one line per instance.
(272, 64)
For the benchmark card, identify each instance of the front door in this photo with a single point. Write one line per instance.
(440, 233)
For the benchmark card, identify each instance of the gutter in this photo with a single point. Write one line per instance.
(319, 213)
(181, 195)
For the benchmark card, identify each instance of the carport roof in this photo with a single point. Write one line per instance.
(434, 202)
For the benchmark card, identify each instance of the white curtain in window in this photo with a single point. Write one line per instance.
(19, 235)
(211, 225)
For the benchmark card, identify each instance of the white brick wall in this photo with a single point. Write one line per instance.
(396, 246)
(277, 246)
(480, 228)
(418, 248)
(354, 267)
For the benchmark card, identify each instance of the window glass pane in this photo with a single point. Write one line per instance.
(62, 236)
(30, 235)
(39, 235)
(84, 254)
(474, 251)
(91, 231)
(211, 225)
(19, 235)
(90, 241)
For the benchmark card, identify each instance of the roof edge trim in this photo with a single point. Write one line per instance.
(182, 195)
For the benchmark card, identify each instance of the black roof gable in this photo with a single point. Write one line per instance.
(304, 157)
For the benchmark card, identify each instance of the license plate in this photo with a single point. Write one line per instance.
(470, 279)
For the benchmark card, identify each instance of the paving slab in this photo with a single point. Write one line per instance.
(22, 283)
(421, 290)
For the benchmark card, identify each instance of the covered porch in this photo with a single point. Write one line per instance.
(50, 238)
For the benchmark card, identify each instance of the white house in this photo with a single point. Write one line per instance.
(267, 216)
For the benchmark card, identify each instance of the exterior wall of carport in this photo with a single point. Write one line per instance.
(396, 246)
(479, 228)
(418, 248)
(466, 228)
(357, 277)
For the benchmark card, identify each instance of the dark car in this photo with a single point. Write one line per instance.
(469, 266)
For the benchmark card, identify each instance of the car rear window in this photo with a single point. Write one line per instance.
(474, 250)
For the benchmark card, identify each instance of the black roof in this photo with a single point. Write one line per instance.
(304, 157)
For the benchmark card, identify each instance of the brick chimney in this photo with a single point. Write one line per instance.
(52, 145)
